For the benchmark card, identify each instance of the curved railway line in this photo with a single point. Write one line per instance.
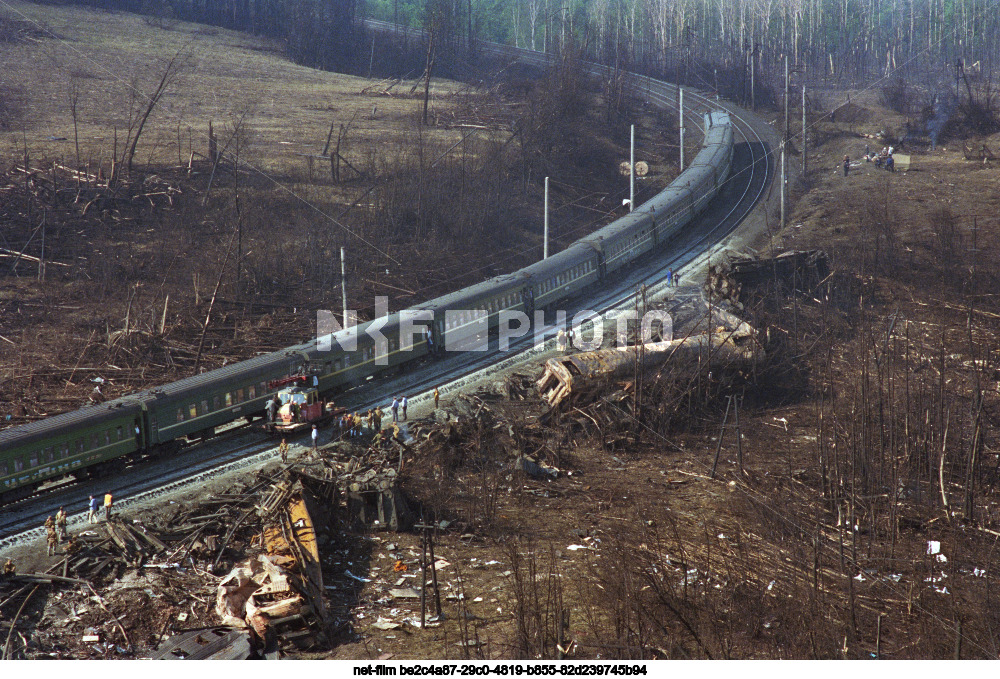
(237, 447)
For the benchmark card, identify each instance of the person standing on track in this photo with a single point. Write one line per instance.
(402, 405)
(315, 438)
(395, 409)
(437, 397)
(107, 506)
(283, 451)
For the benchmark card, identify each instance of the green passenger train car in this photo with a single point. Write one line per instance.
(75, 442)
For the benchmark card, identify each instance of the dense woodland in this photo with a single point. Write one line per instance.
(706, 43)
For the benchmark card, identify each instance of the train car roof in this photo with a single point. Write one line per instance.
(716, 118)
(224, 375)
(559, 262)
(473, 293)
(74, 419)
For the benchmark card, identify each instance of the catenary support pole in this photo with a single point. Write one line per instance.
(631, 172)
(783, 180)
(680, 114)
(785, 138)
(805, 144)
(545, 230)
(343, 282)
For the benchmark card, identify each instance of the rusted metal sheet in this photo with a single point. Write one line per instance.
(731, 340)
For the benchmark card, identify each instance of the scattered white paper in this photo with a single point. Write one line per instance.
(933, 547)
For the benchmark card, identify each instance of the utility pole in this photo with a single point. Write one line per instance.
(785, 138)
(782, 185)
(784, 152)
(805, 144)
(343, 281)
(545, 236)
(680, 113)
(631, 172)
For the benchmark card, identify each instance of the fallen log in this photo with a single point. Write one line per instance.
(46, 578)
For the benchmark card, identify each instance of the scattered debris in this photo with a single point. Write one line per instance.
(565, 379)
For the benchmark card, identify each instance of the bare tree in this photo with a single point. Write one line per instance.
(169, 76)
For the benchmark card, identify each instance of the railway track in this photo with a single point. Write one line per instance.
(239, 447)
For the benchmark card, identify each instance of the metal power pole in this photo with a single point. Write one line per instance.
(343, 281)
(785, 138)
(805, 144)
(631, 172)
(783, 185)
(784, 152)
(545, 231)
(680, 113)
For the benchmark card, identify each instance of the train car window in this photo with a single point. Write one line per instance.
(95, 441)
(326, 372)
(49, 454)
(204, 407)
(33, 461)
(337, 365)
(180, 414)
(120, 433)
(192, 411)
(18, 464)
(216, 402)
(107, 437)
(3, 469)
(251, 392)
(239, 396)
(347, 361)
(64, 451)
(79, 445)
(229, 398)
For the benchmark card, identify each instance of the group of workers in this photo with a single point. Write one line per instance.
(353, 424)
(56, 526)
(883, 158)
